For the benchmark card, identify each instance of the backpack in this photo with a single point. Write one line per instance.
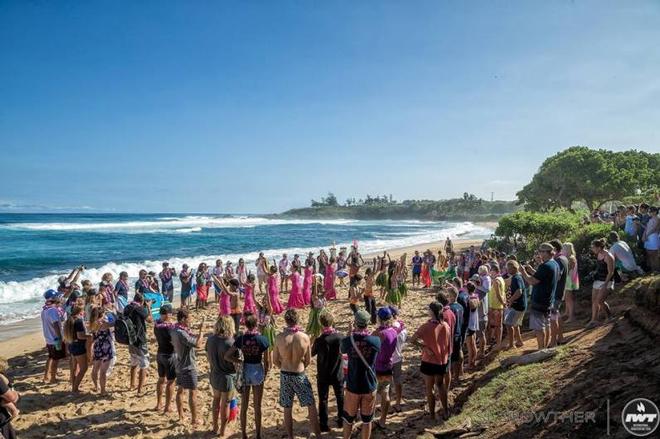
(125, 332)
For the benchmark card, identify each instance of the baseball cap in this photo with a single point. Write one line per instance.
(475, 277)
(52, 295)
(384, 313)
(75, 294)
(166, 309)
(362, 318)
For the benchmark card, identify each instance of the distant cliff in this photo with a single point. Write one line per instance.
(459, 209)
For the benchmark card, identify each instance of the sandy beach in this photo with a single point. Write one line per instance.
(50, 410)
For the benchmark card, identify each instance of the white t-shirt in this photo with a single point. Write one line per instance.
(622, 252)
(473, 323)
(49, 316)
(401, 338)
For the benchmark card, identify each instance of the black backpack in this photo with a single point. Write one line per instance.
(125, 332)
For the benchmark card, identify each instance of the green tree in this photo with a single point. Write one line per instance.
(593, 176)
(331, 200)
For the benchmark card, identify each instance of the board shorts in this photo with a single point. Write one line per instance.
(397, 373)
(139, 356)
(470, 332)
(365, 402)
(262, 278)
(513, 317)
(432, 369)
(538, 320)
(56, 354)
(598, 284)
(384, 379)
(187, 379)
(295, 384)
(253, 374)
(166, 366)
(222, 382)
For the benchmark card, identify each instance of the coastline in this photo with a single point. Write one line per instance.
(25, 336)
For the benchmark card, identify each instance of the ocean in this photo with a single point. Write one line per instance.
(37, 248)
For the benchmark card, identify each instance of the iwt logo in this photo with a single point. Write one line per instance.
(640, 417)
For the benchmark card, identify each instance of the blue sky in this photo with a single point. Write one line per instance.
(219, 106)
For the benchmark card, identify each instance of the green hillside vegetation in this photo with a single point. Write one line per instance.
(468, 208)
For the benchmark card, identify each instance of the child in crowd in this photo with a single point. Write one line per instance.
(266, 321)
(314, 326)
(203, 280)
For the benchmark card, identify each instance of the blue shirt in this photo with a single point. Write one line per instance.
(417, 264)
(122, 289)
(543, 293)
(457, 309)
(360, 380)
(517, 284)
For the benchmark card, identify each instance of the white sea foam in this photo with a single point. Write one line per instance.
(168, 224)
(20, 300)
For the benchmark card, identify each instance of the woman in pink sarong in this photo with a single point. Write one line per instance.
(274, 291)
(224, 307)
(307, 283)
(296, 299)
(250, 305)
(329, 280)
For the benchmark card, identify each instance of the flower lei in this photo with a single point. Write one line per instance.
(60, 310)
(184, 328)
(162, 324)
(364, 332)
(329, 330)
(292, 329)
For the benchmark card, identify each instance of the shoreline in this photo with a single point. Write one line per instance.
(26, 336)
(123, 412)
(32, 322)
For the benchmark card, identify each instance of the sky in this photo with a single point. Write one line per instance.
(260, 106)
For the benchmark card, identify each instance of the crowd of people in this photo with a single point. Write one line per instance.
(479, 298)
(639, 223)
